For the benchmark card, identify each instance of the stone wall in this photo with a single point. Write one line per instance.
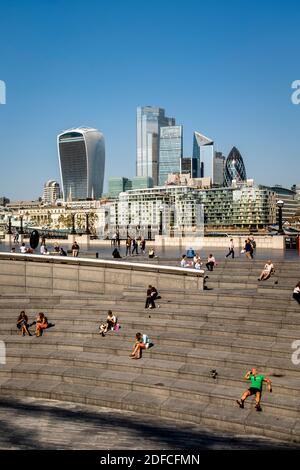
(262, 242)
(40, 275)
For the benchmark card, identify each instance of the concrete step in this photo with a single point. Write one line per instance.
(210, 414)
(278, 361)
(46, 362)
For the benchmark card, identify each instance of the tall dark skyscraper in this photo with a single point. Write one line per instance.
(148, 124)
(81, 153)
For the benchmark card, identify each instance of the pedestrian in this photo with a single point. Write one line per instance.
(231, 249)
(253, 244)
(128, 245)
(16, 237)
(296, 293)
(134, 246)
(248, 249)
(143, 245)
(256, 384)
(75, 249)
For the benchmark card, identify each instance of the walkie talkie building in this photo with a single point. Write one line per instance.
(81, 153)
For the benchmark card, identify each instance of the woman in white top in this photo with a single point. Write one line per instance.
(296, 293)
(23, 248)
(267, 271)
(211, 262)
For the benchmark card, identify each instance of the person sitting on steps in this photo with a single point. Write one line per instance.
(142, 341)
(111, 321)
(267, 271)
(296, 293)
(152, 294)
(22, 324)
(41, 324)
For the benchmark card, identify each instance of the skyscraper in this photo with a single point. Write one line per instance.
(234, 168)
(170, 152)
(81, 153)
(206, 162)
(149, 122)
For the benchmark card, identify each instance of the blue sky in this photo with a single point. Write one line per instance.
(223, 68)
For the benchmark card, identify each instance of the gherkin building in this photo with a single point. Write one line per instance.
(234, 168)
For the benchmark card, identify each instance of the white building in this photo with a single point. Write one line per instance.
(51, 192)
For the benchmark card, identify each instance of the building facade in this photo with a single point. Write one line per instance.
(234, 168)
(170, 152)
(118, 184)
(290, 200)
(51, 192)
(175, 211)
(149, 121)
(206, 161)
(184, 210)
(81, 153)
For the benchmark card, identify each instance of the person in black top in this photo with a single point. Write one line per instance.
(22, 324)
(151, 296)
(116, 253)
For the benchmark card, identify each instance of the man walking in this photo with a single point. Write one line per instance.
(256, 383)
(231, 249)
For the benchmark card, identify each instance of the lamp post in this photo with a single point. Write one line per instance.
(280, 205)
(87, 230)
(9, 231)
(160, 220)
(73, 231)
(21, 231)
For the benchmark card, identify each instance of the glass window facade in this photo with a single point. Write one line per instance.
(234, 168)
(81, 154)
(149, 121)
(170, 152)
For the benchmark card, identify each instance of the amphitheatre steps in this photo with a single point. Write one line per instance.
(231, 370)
(193, 332)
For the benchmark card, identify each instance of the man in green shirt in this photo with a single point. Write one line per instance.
(256, 383)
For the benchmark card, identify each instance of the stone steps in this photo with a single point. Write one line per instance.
(193, 332)
(277, 359)
(94, 361)
(210, 412)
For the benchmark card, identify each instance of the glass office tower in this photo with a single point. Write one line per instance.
(149, 122)
(81, 153)
(206, 161)
(170, 152)
(234, 168)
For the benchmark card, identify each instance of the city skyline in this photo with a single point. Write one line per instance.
(233, 90)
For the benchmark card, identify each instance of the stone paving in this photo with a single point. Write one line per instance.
(39, 424)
